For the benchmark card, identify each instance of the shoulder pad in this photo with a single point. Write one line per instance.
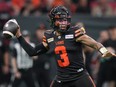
(48, 34)
(73, 28)
(76, 27)
(49, 31)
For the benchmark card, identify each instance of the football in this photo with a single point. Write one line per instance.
(10, 28)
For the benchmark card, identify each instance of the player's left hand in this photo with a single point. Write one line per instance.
(80, 32)
(108, 55)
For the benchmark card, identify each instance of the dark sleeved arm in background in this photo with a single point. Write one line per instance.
(14, 53)
(32, 51)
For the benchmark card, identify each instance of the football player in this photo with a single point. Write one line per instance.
(65, 42)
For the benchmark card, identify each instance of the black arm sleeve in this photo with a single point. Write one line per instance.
(32, 51)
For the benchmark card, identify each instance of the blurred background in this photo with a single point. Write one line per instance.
(97, 16)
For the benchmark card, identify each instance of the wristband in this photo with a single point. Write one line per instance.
(103, 50)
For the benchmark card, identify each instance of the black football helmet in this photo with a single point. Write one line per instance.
(62, 14)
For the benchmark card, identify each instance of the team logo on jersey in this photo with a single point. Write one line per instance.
(70, 36)
(50, 40)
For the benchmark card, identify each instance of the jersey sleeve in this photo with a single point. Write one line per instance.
(81, 32)
(44, 39)
(14, 53)
(77, 27)
(47, 34)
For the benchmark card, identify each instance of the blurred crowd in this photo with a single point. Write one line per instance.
(39, 7)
